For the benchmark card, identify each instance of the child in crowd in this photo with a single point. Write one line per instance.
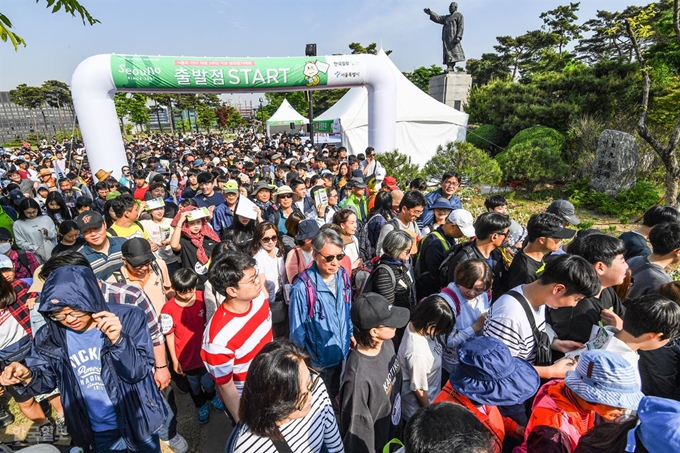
(183, 321)
(603, 385)
(420, 353)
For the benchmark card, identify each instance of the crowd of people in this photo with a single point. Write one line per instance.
(323, 307)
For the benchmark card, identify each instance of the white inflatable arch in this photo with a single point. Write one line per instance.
(98, 78)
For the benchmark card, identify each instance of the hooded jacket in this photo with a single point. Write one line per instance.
(126, 367)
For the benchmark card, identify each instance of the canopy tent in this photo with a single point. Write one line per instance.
(284, 116)
(423, 123)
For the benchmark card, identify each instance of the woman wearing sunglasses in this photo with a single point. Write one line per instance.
(284, 406)
(267, 249)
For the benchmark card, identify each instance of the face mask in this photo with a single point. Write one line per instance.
(4, 247)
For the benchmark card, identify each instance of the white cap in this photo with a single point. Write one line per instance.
(380, 174)
(5, 262)
(464, 220)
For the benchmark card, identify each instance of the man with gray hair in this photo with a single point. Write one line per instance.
(319, 311)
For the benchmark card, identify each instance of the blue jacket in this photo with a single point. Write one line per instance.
(222, 219)
(326, 333)
(126, 366)
(432, 197)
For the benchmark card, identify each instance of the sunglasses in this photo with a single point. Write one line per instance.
(140, 265)
(305, 396)
(330, 258)
(288, 195)
(269, 239)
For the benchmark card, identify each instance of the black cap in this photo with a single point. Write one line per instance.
(560, 233)
(372, 310)
(89, 220)
(137, 251)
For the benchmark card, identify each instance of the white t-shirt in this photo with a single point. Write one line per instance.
(159, 232)
(470, 310)
(508, 322)
(421, 363)
(274, 270)
(352, 249)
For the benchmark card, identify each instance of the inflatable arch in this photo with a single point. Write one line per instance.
(99, 77)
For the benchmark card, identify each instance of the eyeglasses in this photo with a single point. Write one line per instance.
(251, 281)
(502, 233)
(269, 239)
(140, 265)
(73, 314)
(312, 385)
(330, 258)
(288, 195)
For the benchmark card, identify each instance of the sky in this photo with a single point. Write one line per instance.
(57, 43)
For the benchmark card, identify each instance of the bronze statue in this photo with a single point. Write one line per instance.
(452, 34)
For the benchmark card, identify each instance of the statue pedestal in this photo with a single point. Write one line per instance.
(451, 88)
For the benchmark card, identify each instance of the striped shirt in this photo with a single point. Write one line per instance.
(231, 341)
(119, 293)
(104, 264)
(508, 322)
(315, 432)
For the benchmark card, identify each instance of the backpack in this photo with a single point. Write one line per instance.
(366, 249)
(23, 259)
(446, 263)
(310, 288)
(453, 297)
(444, 242)
(541, 339)
(363, 281)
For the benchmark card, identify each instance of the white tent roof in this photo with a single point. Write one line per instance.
(286, 114)
(423, 123)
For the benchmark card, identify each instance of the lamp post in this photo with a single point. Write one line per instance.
(310, 51)
(261, 115)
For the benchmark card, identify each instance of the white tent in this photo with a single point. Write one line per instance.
(423, 123)
(281, 120)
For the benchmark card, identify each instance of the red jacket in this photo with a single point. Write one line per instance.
(553, 409)
(491, 417)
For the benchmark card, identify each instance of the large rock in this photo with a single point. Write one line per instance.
(615, 163)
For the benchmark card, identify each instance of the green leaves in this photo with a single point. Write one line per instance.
(399, 165)
(6, 33)
(466, 159)
(72, 7)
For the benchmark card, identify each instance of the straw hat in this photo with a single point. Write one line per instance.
(102, 174)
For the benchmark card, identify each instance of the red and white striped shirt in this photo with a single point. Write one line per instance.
(231, 341)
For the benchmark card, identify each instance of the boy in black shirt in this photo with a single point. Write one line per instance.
(605, 253)
(545, 234)
(370, 395)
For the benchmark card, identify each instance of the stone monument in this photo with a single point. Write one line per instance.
(615, 164)
(450, 88)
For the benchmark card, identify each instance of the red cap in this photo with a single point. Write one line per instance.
(390, 182)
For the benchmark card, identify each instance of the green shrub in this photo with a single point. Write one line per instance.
(488, 138)
(399, 165)
(628, 203)
(536, 132)
(532, 162)
(467, 160)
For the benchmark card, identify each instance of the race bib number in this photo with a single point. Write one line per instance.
(166, 323)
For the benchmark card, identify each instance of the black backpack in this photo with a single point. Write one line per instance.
(446, 263)
(541, 339)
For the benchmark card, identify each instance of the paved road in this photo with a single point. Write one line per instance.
(208, 438)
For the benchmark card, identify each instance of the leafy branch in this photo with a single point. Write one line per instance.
(72, 7)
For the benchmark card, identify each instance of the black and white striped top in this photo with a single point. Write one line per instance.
(508, 322)
(314, 433)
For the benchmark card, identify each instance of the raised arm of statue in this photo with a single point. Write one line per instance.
(434, 17)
